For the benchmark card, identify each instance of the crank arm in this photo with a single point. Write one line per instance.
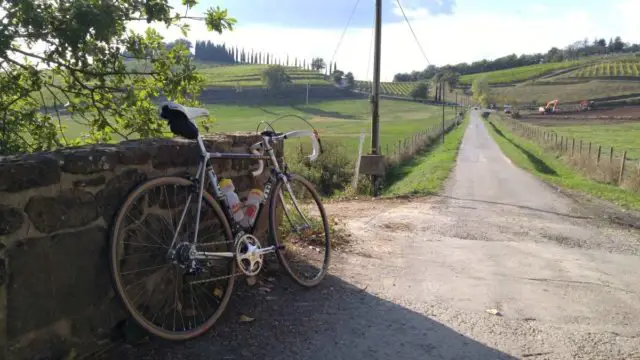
(205, 255)
(270, 249)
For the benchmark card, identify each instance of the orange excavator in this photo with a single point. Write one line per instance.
(551, 107)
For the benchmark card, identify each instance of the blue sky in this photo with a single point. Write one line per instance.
(323, 14)
(450, 31)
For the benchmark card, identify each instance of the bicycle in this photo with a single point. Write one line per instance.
(188, 261)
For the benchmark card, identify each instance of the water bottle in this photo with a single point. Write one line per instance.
(251, 207)
(229, 191)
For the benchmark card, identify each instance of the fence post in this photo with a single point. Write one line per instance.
(573, 145)
(589, 150)
(561, 143)
(581, 148)
(611, 156)
(598, 159)
(624, 160)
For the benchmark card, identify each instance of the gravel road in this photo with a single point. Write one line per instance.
(500, 266)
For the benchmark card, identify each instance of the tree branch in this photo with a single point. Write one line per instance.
(71, 68)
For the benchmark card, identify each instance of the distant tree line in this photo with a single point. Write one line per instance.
(577, 50)
(221, 53)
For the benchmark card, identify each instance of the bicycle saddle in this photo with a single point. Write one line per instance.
(181, 119)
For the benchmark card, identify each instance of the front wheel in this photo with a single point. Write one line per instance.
(300, 230)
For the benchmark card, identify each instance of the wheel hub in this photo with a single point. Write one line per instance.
(182, 255)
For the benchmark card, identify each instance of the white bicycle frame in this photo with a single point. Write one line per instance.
(257, 153)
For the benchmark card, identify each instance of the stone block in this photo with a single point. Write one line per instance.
(134, 154)
(55, 277)
(3, 271)
(94, 181)
(115, 191)
(89, 161)
(69, 209)
(31, 171)
(11, 219)
(170, 154)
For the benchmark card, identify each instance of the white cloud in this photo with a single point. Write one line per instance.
(538, 9)
(463, 37)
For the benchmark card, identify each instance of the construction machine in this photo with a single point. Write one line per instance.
(550, 107)
(586, 105)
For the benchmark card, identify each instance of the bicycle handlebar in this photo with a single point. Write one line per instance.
(257, 148)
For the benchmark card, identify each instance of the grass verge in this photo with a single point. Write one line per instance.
(425, 174)
(531, 157)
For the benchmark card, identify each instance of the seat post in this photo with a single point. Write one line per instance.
(203, 150)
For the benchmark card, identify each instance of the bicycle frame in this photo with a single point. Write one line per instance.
(205, 167)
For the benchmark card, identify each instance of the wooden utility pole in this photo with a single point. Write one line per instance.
(442, 98)
(375, 94)
(456, 107)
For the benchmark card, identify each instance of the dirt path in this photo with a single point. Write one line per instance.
(420, 276)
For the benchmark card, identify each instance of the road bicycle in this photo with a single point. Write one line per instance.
(175, 277)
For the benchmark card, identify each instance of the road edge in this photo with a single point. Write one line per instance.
(589, 205)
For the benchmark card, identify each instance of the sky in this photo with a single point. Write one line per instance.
(449, 31)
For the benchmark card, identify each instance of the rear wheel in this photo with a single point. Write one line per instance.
(300, 230)
(160, 290)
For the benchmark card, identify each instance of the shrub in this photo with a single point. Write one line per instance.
(331, 172)
(275, 78)
(349, 81)
(420, 91)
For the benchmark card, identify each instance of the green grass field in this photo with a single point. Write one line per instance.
(335, 120)
(250, 75)
(388, 88)
(570, 92)
(403, 89)
(425, 174)
(518, 74)
(609, 68)
(620, 136)
(216, 75)
(563, 175)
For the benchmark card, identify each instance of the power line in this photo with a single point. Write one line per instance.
(370, 55)
(413, 33)
(353, 11)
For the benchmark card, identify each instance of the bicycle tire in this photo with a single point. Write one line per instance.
(273, 230)
(114, 263)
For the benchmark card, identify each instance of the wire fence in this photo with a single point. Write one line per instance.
(604, 164)
(418, 142)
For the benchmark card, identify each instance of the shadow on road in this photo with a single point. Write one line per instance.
(516, 206)
(539, 164)
(324, 113)
(335, 320)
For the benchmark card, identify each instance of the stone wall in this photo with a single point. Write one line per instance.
(56, 210)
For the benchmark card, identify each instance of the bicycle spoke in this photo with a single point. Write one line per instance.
(301, 231)
(145, 269)
(150, 234)
(162, 295)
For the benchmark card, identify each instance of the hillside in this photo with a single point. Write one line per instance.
(223, 74)
(403, 89)
(519, 74)
(250, 75)
(218, 75)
